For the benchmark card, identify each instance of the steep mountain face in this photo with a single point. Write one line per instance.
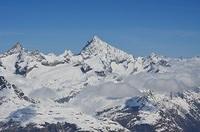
(15, 49)
(102, 57)
(152, 113)
(105, 52)
(100, 89)
(9, 92)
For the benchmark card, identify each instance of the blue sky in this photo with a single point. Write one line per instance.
(167, 27)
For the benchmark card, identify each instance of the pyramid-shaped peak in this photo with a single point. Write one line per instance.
(155, 55)
(97, 41)
(104, 51)
(16, 48)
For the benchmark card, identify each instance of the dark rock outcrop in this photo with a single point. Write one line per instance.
(4, 84)
(13, 126)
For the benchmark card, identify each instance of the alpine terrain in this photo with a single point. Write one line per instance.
(100, 89)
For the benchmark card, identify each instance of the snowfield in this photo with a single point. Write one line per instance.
(100, 89)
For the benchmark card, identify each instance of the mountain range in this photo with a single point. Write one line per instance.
(102, 88)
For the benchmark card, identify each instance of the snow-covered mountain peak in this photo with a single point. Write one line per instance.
(156, 57)
(100, 55)
(153, 54)
(94, 44)
(100, 48)
(15, 49)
